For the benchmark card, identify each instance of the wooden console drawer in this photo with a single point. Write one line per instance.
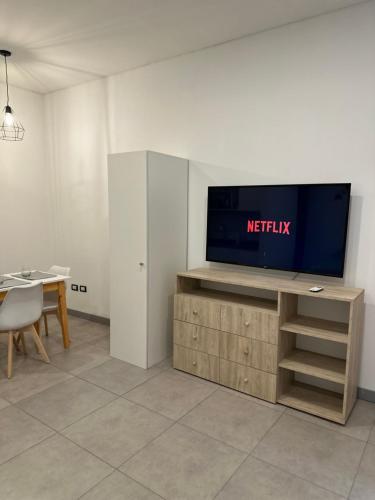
(195, 362)
(196, 337)
(245, 379)
(249, 322)
(249, 352)
(196, 310)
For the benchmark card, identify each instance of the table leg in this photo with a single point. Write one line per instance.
(63, 312)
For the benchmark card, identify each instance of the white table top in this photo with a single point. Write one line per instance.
(55, 279)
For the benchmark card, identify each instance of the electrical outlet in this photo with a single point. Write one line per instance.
(74, 287)
(83, 288)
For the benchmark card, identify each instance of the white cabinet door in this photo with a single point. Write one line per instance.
(167, 242)
(127, 180)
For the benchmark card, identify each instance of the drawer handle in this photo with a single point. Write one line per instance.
(245, 380)
(247, 323)
(246, 352)
(195, 312)
(194, 363)
(195, 336)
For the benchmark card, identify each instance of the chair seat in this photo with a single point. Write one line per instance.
(16, 326)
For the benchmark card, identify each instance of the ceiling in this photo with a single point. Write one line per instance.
(59, 43)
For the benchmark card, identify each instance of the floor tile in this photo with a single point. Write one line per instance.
(65, 403)
(87, 331)
(277, 407)
(189, 376)
(324, 457)
(372, 436)
(83, 357)
(234, 420)
(170, 394)
(53, 344)
(114, 433)
(117, 486)
(19, 432)
(358, 426)
(54, 469)
(3, 403)
(54, 341)
(166, 364)
(30, 376)
(256, 480)
(184, 464)
(103, 343)
(3, 346)
(80, 330)
(117, 376)
(364, 484)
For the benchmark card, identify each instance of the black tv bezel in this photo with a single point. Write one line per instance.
(290, 270)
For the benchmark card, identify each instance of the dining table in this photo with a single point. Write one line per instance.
(51, 283)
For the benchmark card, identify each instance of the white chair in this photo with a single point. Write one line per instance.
(21, 308)
(52, 306)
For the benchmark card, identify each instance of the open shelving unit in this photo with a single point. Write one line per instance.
(294, 361)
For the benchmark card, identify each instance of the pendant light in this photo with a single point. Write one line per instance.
(10, 129)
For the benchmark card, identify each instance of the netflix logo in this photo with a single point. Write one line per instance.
(268, 226)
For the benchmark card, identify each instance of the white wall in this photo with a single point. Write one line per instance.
(77, 157)
(295, 104)
(25, 230)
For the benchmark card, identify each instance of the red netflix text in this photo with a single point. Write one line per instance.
(268, 226)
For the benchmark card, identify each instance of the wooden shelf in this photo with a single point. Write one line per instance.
(319, 328)
(317, 365)
(314, 400)
(235, 298)
(253, 280)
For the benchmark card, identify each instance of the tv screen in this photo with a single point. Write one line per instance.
(300, 228)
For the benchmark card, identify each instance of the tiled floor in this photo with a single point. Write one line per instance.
(91, 427)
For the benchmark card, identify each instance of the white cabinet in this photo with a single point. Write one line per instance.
(148, 245)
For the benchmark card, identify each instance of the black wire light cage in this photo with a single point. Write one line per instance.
(10, 129)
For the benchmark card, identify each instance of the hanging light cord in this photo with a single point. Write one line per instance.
(10, 130)
(6, 79)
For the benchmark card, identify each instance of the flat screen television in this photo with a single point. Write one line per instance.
(300, 227)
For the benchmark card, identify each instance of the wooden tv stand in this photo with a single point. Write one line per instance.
(248, 343)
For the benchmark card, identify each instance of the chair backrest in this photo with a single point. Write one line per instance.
(22, 306)
(63, 271)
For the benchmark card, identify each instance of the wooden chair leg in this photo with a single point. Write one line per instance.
(37, 326)
(16, 342)
(22, 335)
(18, 339)
(39, 344)
(37, 329)
(45, 323)
(10, 354)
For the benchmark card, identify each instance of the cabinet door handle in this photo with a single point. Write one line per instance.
(246, 352)
(194, 363)
(247, 323)
(195, 312)
(245, 380)
(195, 336)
